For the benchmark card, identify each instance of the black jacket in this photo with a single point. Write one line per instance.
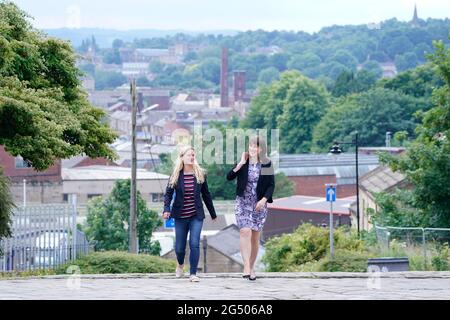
(265, 185)
(179, 197)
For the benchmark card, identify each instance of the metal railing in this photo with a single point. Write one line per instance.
(43, 237)
(426, 247)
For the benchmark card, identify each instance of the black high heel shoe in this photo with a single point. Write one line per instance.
(251, 279)
(246, 276)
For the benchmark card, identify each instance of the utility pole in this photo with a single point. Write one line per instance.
(357, 180)
(24, 193)
(133, 221)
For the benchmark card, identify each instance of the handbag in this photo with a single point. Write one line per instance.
(171, 220)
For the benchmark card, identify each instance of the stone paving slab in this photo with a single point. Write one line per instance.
(268, 286)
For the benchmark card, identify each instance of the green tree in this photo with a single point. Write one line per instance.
(191, 56)
(156, 67)
(268, 104)
(304, 61)
(305, 104)
(107, 221)
(374, 67)
(333, 69)
(118, 43)
(397, 209)
(406, 61)
(88, 68)
(268, 75)
(108, 79)
(166, 164)
(44, 114)
(279, 61)
(112, 56)
(294, 105)
(371, 113)
(88, 44)
(210, 69)
(395, 45)
(6, 205)
(418, 82)
(345, 58)
(427, 161)
(365, 80)
(344, 84)
(348, 82)
(283, 186)
(143, 82)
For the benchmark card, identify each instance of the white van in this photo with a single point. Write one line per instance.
(53, 248)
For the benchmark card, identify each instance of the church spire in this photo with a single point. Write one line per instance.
(415, 19)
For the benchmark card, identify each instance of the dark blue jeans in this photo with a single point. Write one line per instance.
(193, 226)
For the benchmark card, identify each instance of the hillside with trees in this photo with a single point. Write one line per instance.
(263, 55)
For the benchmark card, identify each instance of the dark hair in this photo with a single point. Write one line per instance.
(261, 143)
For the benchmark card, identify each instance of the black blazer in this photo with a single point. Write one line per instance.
(179, 198)
(265, 185)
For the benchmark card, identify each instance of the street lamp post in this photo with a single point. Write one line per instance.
(336, 150)
(133, 236)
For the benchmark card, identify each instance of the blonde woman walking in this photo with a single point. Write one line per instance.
(188, 182)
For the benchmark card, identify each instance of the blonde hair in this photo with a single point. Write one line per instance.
(199, 172)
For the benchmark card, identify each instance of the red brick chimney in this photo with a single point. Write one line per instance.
(239, 85)
(224, 79)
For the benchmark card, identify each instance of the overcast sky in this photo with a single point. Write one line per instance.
(200, 15)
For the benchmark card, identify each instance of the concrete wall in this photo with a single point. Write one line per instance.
(38, 192)
(365, 202)
(84, 188)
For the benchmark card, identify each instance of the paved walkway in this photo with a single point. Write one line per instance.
(395, 285)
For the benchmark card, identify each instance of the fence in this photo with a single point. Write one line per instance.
(427, 248)
(43, 237)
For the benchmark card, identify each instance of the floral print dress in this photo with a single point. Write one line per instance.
(246, 214)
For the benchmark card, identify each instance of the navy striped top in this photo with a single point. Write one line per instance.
(188, 201)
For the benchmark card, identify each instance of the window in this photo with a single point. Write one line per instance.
(65, 197)
(21, 163)
(93, 195)
(157, 197)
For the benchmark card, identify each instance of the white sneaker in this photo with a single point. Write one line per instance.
(179, 272)
(194, 278)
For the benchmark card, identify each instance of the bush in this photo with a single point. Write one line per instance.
(440, 262)
(344, 261)
(34, 273)
(119, 262)
(307, 244)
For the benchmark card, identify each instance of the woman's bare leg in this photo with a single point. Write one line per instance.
(246, 248)
(254, 252)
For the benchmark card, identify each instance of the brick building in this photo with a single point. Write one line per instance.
(42, 186)
(81, 175)
(310, 172)
(287, 214)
